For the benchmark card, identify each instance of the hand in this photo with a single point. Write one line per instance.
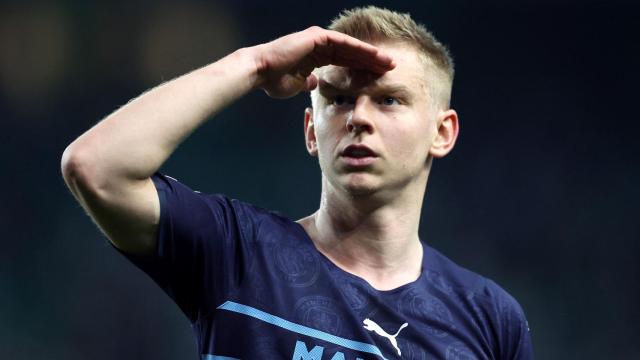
(285, 64)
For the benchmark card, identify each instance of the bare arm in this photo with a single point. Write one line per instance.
(108, 168)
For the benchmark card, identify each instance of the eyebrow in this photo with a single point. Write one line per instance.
(397, 89)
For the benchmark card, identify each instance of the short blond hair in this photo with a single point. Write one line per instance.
(379, 25)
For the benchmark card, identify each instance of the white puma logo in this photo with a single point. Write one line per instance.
(372, 326)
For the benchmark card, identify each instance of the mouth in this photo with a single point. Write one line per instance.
(358, 151)
(358, 155)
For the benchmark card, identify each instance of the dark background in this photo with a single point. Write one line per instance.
(540, 193)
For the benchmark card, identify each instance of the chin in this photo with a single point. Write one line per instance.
(360, 186)
(360, 191)
(354, 184)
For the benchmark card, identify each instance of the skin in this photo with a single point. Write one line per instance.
(108, 168)
(367, 223)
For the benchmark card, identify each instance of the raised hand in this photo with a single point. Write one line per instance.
(285, 65)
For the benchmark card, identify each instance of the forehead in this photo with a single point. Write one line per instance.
(410, 73)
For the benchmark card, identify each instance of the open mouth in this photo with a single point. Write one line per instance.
(358, 151)
(358, 155)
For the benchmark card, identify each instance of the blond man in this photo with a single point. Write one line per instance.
(352, 280)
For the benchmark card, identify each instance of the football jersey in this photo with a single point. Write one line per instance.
(254, 286)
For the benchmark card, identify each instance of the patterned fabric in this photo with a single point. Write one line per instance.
(255, 287)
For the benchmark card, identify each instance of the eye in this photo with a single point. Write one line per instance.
(389, 101)
(340, 100)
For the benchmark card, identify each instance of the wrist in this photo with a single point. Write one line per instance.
(253, 58)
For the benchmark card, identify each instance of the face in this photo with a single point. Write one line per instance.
(376, 133)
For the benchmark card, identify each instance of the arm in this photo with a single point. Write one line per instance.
(108, 168)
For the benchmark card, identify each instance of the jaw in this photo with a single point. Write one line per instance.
(379, 185)
(362, 190)
(372, 189)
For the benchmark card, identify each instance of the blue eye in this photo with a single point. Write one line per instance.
(390, 101)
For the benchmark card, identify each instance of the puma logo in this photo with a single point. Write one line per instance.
(372, 326)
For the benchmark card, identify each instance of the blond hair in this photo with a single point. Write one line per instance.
(379, 25)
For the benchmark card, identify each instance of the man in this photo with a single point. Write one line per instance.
(352, 280)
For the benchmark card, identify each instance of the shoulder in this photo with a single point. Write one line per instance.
(173, 192)
(495, 311)
(263, 224)
(181, 204)
(469, 285)
(441, 269)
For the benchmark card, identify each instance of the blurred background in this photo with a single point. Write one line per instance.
(541, 193)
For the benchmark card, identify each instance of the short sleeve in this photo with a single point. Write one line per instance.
(515, 337)
(200, 253)
(519, 345)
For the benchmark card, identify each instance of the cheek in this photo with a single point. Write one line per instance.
(329, 125)
(408, 142)
(326, 136)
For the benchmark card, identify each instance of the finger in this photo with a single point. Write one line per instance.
(351, 52)
(358, 62)
(328, 55)
(372, 55)
(311, 82)
(361, 64)
(379, 59)
(345, 43)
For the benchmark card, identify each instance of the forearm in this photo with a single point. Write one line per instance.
(134, 141)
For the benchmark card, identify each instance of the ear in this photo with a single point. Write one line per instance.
(310, 132)
(448, 128)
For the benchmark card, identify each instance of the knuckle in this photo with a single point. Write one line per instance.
(315, 30)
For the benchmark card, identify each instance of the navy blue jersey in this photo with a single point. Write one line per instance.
(255, 287)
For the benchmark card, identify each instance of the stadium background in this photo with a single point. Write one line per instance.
(541, 193)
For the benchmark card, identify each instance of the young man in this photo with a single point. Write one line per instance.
(352, 280)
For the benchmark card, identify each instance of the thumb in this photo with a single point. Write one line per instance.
(311, 82)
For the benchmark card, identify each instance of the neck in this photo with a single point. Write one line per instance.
(372, 236)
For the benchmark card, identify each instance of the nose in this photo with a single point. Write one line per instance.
(360, 117)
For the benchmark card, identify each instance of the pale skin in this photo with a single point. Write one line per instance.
(108, 168)
(367, 223)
